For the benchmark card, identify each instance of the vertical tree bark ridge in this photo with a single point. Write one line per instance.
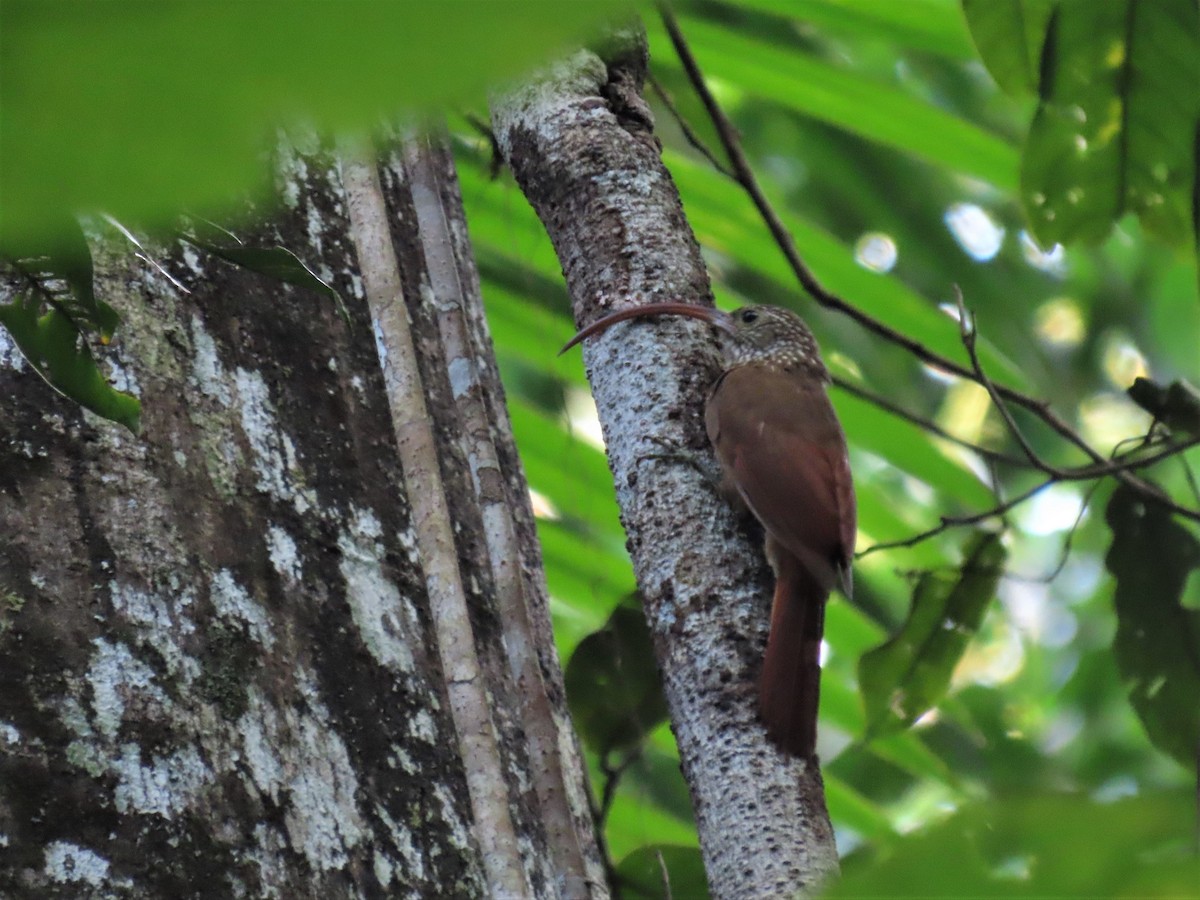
(214, 674)
(555, 763)
(580, 143)
(469, 702)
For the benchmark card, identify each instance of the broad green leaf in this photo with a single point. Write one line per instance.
(613, 685)
(64, 254)
(56, 350)
(662, 872)
(1115, 127)
(143, 109)
(910, 673)
(1008, 35)
(931, 26)
(1158, 640)
(845, 98)
(274, 262)
(1040, 846)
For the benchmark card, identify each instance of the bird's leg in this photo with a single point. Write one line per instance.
(708, 468)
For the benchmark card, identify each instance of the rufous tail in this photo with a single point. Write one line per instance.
(789, 688)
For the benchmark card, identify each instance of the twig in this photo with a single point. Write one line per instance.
(966, 325)
(688, 132)
(948, 522)
(745, 176)
(926, 424)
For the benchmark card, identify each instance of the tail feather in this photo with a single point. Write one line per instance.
(790, 684)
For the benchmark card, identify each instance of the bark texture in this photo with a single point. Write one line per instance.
(219, 646)
(580, 141)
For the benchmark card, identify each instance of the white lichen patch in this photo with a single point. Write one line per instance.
(122, 377)
(191, 258)
(165, 786)
(422, 727)
(284, 557)
(67, 863)
(459, 835)
(380, 343)
(208, 372)
(162, 622)
(115, 677)
(298, 760)
(411, 862)
(232, 601)
(462, 376)
(9, 735)
(10, 356)
(386, 621)
(268, 855)
(274, 455)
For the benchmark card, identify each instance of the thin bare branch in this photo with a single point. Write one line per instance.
(745, 176)
(948, 522)
(689, 132)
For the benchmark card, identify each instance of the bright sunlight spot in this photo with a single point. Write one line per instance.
(1059, 322)
(582, 417)
(1053, 510)
(1110, 418)
(974, 230)
(875, 251)
(1123, 362)
(964, 411)
(1052, 260)
(543, 508)
(991, 661)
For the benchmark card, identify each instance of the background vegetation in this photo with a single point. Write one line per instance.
(1038, 159)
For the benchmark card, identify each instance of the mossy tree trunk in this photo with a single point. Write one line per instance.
(238, 655)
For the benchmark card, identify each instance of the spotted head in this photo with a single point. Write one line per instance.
(752, 335)
(769, 335)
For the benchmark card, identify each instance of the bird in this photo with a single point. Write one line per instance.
(783, 452)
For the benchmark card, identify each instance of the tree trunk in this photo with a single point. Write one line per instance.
(581, 144)
(292, 639)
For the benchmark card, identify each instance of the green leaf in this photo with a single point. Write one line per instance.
(274, 262)
(843, 97)
(1115, 126)
(661, 871)
(910, 673)
(1008, 35)
(926, 25)
(1040, 846)
(64, 254)
(54, 347)
(144, 109)
(613, 685)
(1157, 643)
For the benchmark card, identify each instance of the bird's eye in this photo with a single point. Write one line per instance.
(749, 315)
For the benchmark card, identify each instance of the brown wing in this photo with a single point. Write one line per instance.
(779, 440)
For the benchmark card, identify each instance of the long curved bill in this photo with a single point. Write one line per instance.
(715, 317)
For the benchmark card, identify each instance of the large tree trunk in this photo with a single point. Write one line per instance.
(581, 145)
(291, 640)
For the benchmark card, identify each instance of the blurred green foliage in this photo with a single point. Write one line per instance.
(904, 170)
